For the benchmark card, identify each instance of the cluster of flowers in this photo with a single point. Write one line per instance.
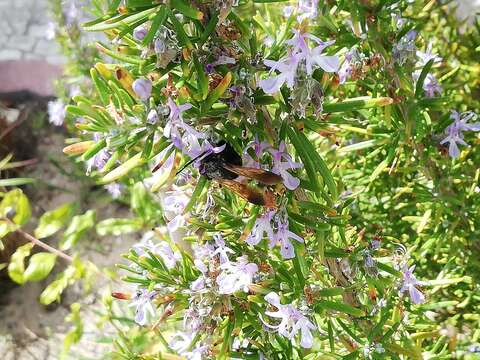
(300, 55)
(263, 225)
(219, 276)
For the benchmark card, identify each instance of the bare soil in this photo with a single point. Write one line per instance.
(29, 330)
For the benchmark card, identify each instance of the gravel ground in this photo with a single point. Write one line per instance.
(29, 330)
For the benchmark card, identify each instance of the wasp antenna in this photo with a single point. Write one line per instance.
(188, 163)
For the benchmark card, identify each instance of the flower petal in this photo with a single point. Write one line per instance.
(416, 295)
(294, 236)
(328, 63)
(453, 149)
(287, 250)
(306, 340)
(290, 181)
(272, 84)
(273, 299)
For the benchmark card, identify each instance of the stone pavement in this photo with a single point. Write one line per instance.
(28, 60)
(23, 29)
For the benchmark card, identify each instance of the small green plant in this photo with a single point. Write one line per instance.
(15, 214)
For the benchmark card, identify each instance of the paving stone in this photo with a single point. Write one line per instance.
(10, 54)
(24, 43)
(32, 56)
(56, 59)
(19, 26)
(21, 4)
(5, 26)
(46, 47)
(38, 31)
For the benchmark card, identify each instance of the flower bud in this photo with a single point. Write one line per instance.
(152, 117)
(142, 88)
(140, 32)
(78, 148)
(121, 296)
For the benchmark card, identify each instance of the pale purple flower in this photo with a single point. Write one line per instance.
(475, 348)
(169, 257)
(262, 226)
(411, 35)
(405, 49)
(283, 236)
(74, 90)
(282, 162)
(288, 70)
(162, 249)
(175, 115)
(313, 57)
(115, 189)
(71, 12)
(288, 10)
(146, 243)
(258, 148)
(56, 112)
(99, 160)
(292, 321)
(221, 249)
(236, 276)
(431, 86)
(399, 20)
(181, 343)
(409, 283)
(188, 142)
(202, 255)
(375, 244)
(152, 117)
(425, 57)
(307, 9)
(198, 284)
(142, 88)
(222, 60)
(455, 131)
(143, 302)
(368, 259)
(351, 58)
(175, 202)
(140, 32)
(175, 123)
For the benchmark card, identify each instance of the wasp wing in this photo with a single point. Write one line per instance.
(262, 176)
(249, 193)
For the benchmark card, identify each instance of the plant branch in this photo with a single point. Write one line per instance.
(41, 244)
